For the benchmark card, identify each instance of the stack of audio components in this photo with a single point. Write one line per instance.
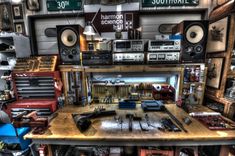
(128, 51)
(36, 64)
(165, 49)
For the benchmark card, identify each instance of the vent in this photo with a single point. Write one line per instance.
(112, 2)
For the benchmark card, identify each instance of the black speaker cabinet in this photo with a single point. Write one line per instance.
(71, 42)
(193, 45)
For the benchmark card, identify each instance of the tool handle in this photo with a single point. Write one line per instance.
(130, 123)
(176, 120)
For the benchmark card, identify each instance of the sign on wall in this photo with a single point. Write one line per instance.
(111, 21)
(64, 5)
(172, 3)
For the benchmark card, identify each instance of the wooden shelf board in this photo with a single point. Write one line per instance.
(231, 74)
(7, 51)
(221, 100)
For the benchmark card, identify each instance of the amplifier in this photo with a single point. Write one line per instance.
(128, 46)
(163, 57)
(97, 58)
(173, 43)
(125, 58)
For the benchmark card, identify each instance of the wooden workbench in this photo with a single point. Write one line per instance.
(106, 131)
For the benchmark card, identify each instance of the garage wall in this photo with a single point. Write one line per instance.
(151, 23)
(48, 45)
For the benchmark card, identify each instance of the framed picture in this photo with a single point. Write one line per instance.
(6, 22)
(17, 11)
(33, 5)
(19, 27)
(217, 36)
(215, 68)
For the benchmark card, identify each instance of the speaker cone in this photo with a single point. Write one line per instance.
(194, 34)
(69, 37)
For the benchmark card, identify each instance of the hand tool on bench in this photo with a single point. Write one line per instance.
(175, 119)
(30, 119)
(83, 122)
(119, 120)
(138, 118)
(148, 121)
(130, 117)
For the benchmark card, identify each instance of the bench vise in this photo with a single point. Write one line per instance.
(30, 119)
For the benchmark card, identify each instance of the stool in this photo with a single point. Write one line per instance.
(194, 148)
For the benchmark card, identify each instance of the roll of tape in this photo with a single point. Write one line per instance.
(11, 47)
(158, 87)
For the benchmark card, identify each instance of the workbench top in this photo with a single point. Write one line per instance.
(106, 131)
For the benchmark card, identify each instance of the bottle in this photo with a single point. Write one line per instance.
(192, 75)
(186, 74)
(201, 75)
(197, 74)
(199, 92)
(192, 88)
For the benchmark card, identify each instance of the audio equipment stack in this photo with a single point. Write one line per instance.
(193, 41)
(164, 49)
(128, 51)
(71, 42)
(36, 64)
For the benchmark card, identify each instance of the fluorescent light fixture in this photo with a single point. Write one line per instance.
(16, 1)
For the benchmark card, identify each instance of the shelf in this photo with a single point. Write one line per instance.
(231, 74)
(133, 68)
(196, 83)
(7, 51)
(224, 101)
(6, 67)
(121, 68)
(110, 85)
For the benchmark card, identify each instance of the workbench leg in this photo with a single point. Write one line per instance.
(49, 150)
(224, 151)
(194, 148)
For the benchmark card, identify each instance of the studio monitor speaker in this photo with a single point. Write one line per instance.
(194, 40)
(70, 43)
